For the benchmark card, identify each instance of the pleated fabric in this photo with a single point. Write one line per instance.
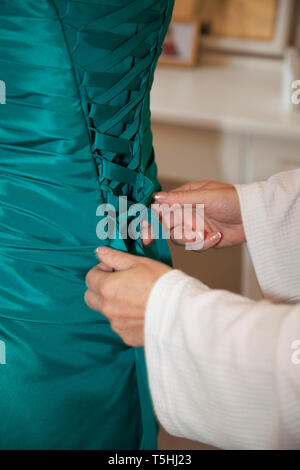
(75, 133)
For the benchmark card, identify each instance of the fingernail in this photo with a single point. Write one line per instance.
(215, 237)
(160, 195)
(102, 250)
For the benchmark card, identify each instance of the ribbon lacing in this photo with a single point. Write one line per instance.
(114, 78)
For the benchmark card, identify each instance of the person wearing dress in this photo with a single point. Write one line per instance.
(223, 369)
(74, 134)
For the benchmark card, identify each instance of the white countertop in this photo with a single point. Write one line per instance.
(234, 94)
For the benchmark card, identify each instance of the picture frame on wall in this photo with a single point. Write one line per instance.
(269, 34)
(181, 45)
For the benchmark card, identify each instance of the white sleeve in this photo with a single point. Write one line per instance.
(271, 217)
(223, 369)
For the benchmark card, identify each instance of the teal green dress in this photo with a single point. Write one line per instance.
(74, 133)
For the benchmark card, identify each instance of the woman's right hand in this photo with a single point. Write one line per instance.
(223, 224)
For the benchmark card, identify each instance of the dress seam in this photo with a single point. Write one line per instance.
(76, 84)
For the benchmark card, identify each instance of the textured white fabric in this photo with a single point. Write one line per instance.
(271, 217)
(220, 366)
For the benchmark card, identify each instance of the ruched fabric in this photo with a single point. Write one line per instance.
(75, 133)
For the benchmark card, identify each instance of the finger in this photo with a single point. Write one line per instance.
(179, 197)
(169, 215)
(186, 237)
(95, 277)
(105, 268)
(198, 244)
(116, 259)
(147, 234)
(190, 186)
(212, 240)
(183, 223)
(93, 300)
(99, 304)
(166, 216)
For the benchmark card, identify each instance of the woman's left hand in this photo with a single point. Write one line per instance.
(119, 288)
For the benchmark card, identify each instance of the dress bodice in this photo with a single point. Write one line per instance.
(74, 133)
(83, 70)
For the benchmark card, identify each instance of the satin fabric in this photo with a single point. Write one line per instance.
(75, 133)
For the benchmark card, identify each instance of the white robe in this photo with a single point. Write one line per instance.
(223, 369)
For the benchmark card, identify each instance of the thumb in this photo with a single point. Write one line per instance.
(115, 259)
(179, 197)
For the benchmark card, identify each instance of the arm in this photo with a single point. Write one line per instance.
(220, 366)
(271, 218)
(265, 214)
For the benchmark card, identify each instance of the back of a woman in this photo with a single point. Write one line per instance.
(78, 76)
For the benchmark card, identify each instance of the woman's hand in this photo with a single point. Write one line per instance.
(119, 288)
(223, 224)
